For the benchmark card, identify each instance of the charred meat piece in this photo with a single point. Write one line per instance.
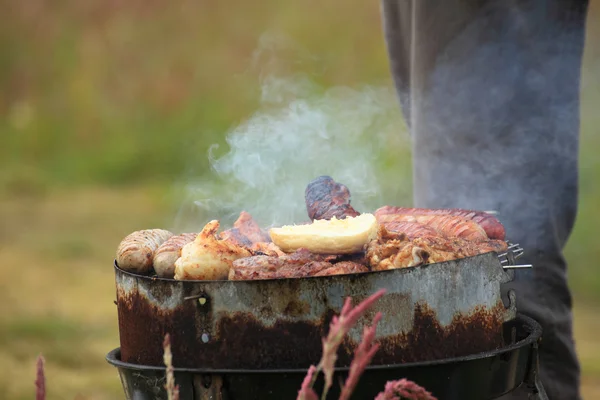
(446, 225)
(264, 267)
(389, 253)
(245, 232)
(343, 267)
(490, 224)
(301, 263)
(325, 199)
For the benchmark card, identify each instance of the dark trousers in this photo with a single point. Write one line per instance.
(490, 91)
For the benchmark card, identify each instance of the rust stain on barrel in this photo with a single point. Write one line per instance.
(240, 340)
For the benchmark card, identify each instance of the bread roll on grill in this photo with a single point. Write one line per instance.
(136, 251)
(169, 252)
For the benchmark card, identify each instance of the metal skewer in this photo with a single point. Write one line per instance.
(517, 266)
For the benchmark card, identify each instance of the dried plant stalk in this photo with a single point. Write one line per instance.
(404, 389)
(172, 389)
(362, 357)
(338, 328)
(40, 380)
(306, 391)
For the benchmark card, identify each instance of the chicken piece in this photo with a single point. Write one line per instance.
(389, 253)
(208, 257)
(166, 255)
(490, 224)
(136, 251)
(245, 231)
(325, 199)
(266, 249)
(446, 225)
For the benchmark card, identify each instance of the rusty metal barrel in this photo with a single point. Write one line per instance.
(430, 312)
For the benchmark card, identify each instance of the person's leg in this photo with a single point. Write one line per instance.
(490, 90)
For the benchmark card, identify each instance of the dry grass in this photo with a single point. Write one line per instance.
(57, 291)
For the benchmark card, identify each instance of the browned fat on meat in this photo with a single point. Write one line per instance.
(445, 225)
(410, 229)
(299, 264)
(325, 199)
(245, 232)
(489, 223)
(389, 252)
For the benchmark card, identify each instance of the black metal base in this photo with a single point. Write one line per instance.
(477, 377)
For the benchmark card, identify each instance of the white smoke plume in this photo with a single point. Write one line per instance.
(300, 132)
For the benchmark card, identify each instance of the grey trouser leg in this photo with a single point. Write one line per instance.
(490, 90)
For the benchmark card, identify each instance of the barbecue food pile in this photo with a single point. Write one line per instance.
(338, 240)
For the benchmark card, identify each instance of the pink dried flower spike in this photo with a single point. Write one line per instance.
(172, 389)
(339, 327)
(306, 391)
(404, 389)
(40, 380)
(362, 357)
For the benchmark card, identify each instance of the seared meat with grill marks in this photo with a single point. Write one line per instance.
(490, 224)
(325, 199)
(446, 225)
(410, 229)
(343, 267)
(301, 263)
(245, 232)
(390, 252)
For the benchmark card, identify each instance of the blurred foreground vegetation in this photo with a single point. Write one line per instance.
(107, 108)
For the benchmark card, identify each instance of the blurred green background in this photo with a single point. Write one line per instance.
(108, 108)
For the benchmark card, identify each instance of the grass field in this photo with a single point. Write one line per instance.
(108, 108)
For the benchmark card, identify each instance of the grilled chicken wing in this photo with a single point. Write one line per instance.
(208, 257)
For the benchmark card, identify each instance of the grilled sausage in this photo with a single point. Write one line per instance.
(169, 252)
(136, 250)
(490, 224)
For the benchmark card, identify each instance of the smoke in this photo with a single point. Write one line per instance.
(299, 132)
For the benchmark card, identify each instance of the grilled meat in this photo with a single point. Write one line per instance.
(343, 267)
(410, 229)
(136, 251)
(325, 199)
(166, 255)
(245, 232)
(389, 251)
(490, 224)
(266, 249)
(299, 264)
(446, 225)
(208, 257)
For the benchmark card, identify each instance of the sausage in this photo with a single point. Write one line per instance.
(490, 224)
(166, 255)
(136, 251)
(447, 225)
